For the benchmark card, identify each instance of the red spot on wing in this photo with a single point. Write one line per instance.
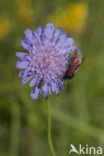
(70, 71)
(74, 63)
(77, 55)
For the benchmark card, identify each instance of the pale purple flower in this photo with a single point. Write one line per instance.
(46, 61)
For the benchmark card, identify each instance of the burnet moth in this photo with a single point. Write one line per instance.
(74, 65)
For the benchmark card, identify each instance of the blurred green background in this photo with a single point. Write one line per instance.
(78, 112)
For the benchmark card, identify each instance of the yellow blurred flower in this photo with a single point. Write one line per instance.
(4, 27)
(24, 11)
(72, 19)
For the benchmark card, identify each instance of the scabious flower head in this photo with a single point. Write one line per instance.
(46, 61)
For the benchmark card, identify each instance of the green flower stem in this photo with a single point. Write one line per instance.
(49, 130)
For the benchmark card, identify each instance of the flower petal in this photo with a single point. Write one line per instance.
(45, 90)
(29, 35)
(53, 86)
(28, 71)
(61, 39)
(32, 82)
(57, 88)
(61, 85)
(21, 55)
(50, 89)
(35, 92)
(28, 32)
(20, 73)
(57, 33)
(37, 38)
(21, 64)
(24, 45)
(37, 33)
(68, 43)
(25, 79)
(48, 31)
(72, 48)
(27, 41)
